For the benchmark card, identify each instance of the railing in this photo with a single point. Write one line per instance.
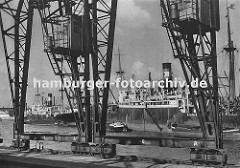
(164, 102)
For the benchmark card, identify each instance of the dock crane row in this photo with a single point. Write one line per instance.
(78, 40)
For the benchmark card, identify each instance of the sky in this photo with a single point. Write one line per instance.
(143, 43)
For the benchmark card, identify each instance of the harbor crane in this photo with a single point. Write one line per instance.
(191, 27)
(78, 39)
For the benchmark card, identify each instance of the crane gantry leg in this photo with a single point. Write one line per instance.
(16, 19)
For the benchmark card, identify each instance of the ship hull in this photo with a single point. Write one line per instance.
(140, 116)
(67, 117)
(39, 119)
(136, 115)
(148, 116)
(231, 120)
(227, 120)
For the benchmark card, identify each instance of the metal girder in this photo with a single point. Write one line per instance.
(96, 25)
(105, 27)
(16, 19)
(57, 18)
(195, 47)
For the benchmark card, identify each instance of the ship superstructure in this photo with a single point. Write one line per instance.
(154, 105)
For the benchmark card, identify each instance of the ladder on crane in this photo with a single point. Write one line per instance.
(192, 36)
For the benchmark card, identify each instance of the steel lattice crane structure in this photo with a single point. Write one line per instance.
(191, 27)
(78, 40)
(16, 36)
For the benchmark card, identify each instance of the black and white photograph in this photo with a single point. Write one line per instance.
(119, 83)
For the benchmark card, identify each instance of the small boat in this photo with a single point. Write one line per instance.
(184, 128)
(60, 123)
(119, 126)
(5, 115)
(230, 130)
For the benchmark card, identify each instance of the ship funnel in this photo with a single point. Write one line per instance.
(167, 70)
(49, 101)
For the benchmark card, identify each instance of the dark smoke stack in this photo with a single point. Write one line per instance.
(167, 70)
(49, 99)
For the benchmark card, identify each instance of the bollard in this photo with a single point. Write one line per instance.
(41, 147)
(74, 147)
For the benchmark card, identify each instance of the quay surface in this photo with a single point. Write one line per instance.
(17, 159)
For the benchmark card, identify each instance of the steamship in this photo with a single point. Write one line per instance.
(44, 112)
(148, 105)
(151, 106)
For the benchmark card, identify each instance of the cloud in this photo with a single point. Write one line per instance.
(133, 15)
(141, 71)
(156, 73)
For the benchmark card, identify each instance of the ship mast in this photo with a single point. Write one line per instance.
(37, 95)
(62, 89)
(230, 50)
(120, 72)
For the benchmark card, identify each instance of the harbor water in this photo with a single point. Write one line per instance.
(6, 131)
